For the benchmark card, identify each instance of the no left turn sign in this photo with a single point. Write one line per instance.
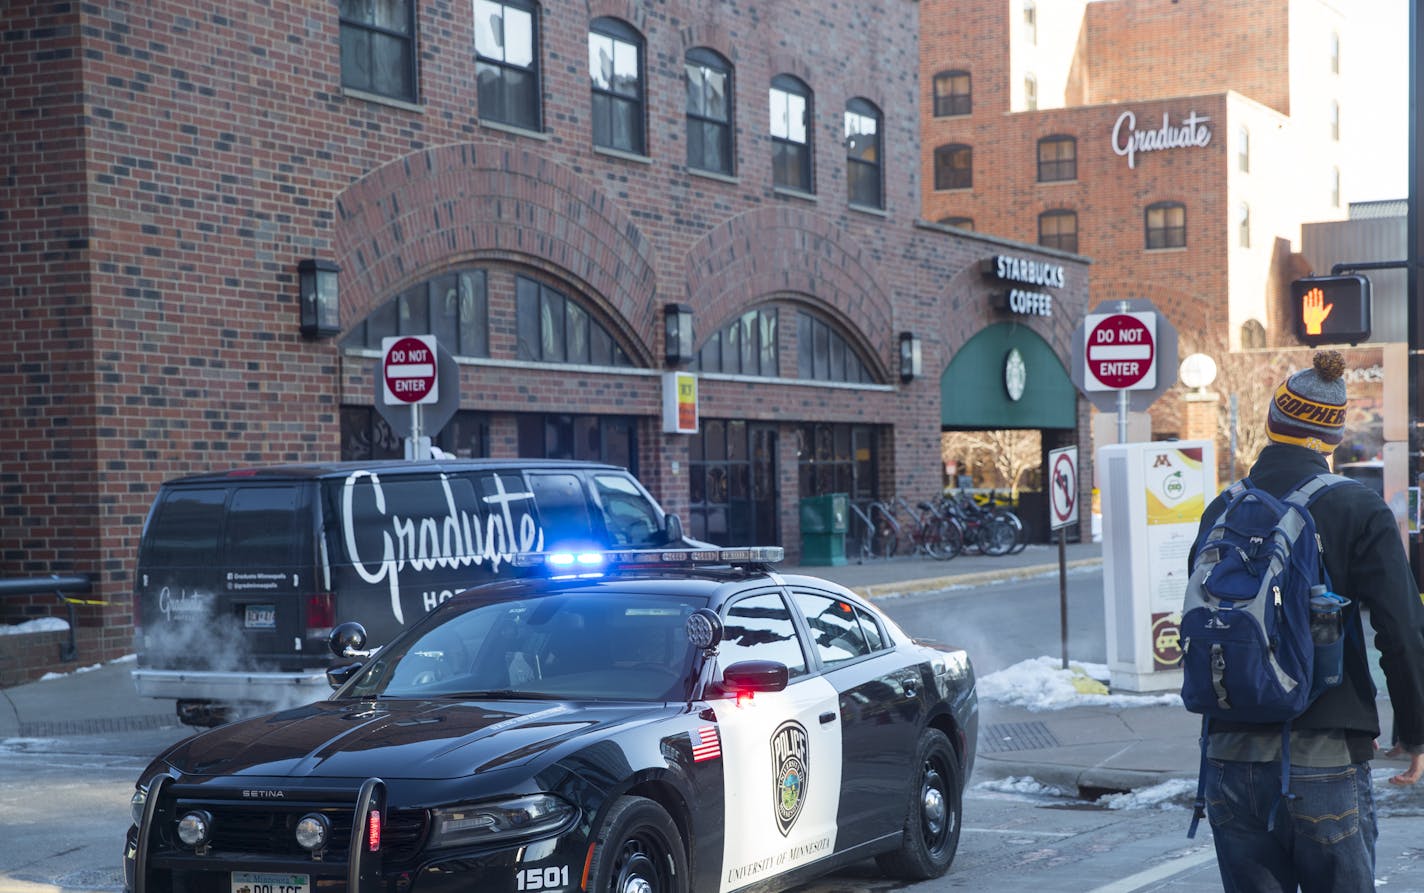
(408, 369)
(1063, 487)
(1120, 352)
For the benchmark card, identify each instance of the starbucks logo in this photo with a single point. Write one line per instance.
(788, 761)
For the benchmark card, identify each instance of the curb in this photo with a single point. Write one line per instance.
(969, 579)
(1087, 783)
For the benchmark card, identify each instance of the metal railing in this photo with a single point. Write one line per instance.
(60, 587)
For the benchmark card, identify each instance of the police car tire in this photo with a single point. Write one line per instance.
(638, 838)
(930, 840)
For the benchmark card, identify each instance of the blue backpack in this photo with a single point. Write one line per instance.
(1261, 631)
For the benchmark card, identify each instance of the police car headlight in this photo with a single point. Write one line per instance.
(136, 804)
(313, 831)
(505, 820)
(195, 828)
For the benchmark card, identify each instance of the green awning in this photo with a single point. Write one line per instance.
(974, 395)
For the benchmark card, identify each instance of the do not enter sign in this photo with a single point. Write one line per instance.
(408, 369)
(1120, 352)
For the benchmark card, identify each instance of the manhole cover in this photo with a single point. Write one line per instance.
(1009, 736)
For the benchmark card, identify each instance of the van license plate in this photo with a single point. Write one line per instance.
(270, 882)
(260, 617)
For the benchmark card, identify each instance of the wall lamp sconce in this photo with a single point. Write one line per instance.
(911, 358)
(321, 304)
(677, 334)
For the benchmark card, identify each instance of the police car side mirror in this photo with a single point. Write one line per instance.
(348, 640)
(755, 675)
(673, 532)
(339, 676)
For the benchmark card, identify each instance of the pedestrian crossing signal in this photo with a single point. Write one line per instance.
(1331, 309)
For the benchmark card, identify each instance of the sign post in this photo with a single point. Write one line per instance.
(1063, 513)
(410, 376)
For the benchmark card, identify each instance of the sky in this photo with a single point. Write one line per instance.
(1374, 60)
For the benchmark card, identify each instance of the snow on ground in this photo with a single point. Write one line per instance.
(1041, 683)
(38, 625)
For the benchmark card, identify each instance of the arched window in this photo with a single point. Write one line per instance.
(952, 94)
(454, 307)
(1334, 52)
(1030, 92)
(954, 167)
(1335, 187)
(1058, 229)
(507, 62)
(615, 67)
(824, 354)
(863, 154)
(1243, 225)
(1335, 121)
(791, 118)
(1057, 158)
(555, 328)
(1243, 150)
(709, 111)
(1030, 17)
(1253, 335)
(746, 346)
(1166, 225)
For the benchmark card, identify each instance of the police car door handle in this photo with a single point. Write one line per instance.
(828, 716)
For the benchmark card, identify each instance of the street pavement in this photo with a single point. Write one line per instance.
(1081, 750)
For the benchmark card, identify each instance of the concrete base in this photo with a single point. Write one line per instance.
(1129, 680)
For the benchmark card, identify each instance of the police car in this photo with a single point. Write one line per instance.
(633, 722)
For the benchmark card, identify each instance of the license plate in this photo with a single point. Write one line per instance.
(260, 617)
(270, 882)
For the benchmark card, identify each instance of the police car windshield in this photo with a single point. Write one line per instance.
(580, 646)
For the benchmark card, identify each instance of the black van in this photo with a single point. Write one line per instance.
(242, 575)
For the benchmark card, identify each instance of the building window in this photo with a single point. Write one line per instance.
(554, 328)
(615, 66)
(588, 438)
(507, 62)
(863, 155)
(1253, 335)
(1058, 229)
(1030, 93)
(1243, 225)
(454, 307)
(1057, 159)
(824, 354)
(791, 115)
(951, 94)
(1243, 150)
(953, 167)
(1334, 52)
(1335, 121)
(1030, 16)
(378, 47)
(836, 457)
(747, 346)
(366, 436)
(1335, 187)
(709, 111)
(732, 492)
(1166, 224)
(958, 222)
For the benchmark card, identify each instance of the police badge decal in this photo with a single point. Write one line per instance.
(788, 761)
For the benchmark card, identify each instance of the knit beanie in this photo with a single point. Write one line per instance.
(1308, 409)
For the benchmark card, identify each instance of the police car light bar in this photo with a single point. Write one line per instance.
(593, 560)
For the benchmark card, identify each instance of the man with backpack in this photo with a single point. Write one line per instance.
(1289, 798)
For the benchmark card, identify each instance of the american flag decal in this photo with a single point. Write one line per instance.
(705, 744)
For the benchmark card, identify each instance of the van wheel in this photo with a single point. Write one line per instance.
(638, 850)
(933, 816)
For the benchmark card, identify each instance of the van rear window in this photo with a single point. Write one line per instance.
(185, 529)
(262, 526)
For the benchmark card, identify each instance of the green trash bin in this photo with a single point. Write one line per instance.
(824, 521)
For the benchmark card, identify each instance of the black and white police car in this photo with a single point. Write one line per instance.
(633, 722)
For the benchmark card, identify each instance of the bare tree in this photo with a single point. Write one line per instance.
(1251, 376)
(1002, 459)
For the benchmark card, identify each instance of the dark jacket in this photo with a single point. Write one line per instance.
(1368, 564)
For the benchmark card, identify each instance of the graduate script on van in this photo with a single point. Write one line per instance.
(455, 539)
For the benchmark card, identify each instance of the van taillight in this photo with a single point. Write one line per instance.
(321, 615)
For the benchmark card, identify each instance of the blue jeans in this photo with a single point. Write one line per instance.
(1324, 838)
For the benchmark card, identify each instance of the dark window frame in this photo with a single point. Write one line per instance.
(563, 329)
(358, 37)
(1062, 166)
(499, 92)
(947, 173)
(453, 306)
(865, 177)
(1164, 233)
(825, 353)
(702, 123)
(747, 345)
(609, 104)
(949, 100)
(792, 157)
(1059, 239)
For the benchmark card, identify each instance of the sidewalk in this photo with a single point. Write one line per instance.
(1076, 749)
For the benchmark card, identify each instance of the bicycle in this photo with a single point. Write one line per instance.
(929, 532)
(991, 534)
(1006, 511)
(860, 534)
(885, 530)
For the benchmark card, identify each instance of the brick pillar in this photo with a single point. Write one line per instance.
(1199, 415)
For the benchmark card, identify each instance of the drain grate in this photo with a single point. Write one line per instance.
(96, 726)
(1010, 736)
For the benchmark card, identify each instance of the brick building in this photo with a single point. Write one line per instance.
(539, 185)
(1180, 144)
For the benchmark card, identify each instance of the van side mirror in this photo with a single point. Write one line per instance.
(348, 640)
(673, 525)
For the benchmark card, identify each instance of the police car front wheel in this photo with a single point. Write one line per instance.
(638, 850)
(932, 820)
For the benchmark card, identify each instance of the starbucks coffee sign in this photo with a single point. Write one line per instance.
(1127, 140)
(1024, 271)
